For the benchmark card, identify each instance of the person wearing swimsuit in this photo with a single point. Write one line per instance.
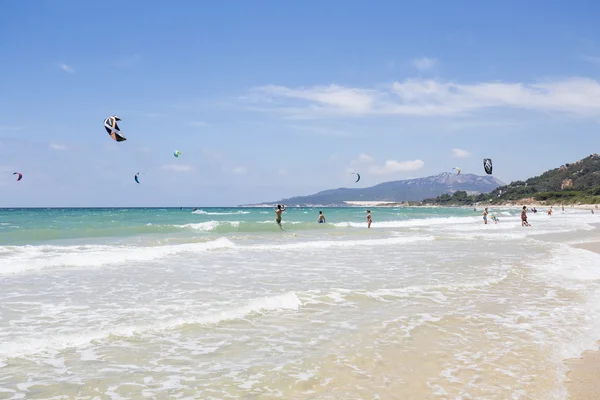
(278, 212)
(321, 219)
(369, 220)
(524, 217)
(485, 214)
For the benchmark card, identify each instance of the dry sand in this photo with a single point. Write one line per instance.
(583, 378)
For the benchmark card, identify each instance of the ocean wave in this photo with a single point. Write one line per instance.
(202, 212)
(17, 259)
(57, 342)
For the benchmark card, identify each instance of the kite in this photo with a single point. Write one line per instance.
(487, 165)
(177, 153)
(20, 176)
(358, 175)
(110, 124)
(136, 177)
(458, 169)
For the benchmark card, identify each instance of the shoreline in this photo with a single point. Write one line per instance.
(582, 378)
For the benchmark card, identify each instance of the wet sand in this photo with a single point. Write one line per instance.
(583, 378)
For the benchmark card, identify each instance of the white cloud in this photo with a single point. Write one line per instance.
(177, 167)
(424, 63)
(366, 162)
(393, 166)
(333, 97)
(430, 97)
(460, 153)
(67, 68)
(57, 146)
(240, 170)
(365, 158)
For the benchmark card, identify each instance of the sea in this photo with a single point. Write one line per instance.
(220, 303)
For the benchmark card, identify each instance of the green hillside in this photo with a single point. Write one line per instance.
(574, 183)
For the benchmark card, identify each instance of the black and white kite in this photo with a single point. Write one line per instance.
(110, 124)
(487, 165)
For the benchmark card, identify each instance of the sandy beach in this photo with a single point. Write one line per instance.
(583, 378)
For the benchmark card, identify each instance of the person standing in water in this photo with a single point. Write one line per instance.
(369, 220)
(524, 217)
(278, 211)
(321, 219)
(485, 214)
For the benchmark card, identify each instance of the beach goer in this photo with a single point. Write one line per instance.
(493, 217)
(524, 217)
(550, 211)
(369, 220)
(321, 219)
(485, 214)
(280, 208)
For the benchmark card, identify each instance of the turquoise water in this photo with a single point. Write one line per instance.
(36, 226)
(220, 303)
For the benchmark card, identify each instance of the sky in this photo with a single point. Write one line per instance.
(268, 100)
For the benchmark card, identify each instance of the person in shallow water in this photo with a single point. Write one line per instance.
(485, 214)
(321, 219)
(524, 217)
(280, 208)
(369, 220)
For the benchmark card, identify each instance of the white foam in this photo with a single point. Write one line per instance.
(50, 343)
(27, 258)
(220, 213)
(208, 225)
(324, 244)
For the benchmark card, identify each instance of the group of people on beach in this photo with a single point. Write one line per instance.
(320, 220)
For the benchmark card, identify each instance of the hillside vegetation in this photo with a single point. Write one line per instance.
(574, 183)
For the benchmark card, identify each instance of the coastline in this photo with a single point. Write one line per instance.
(582, 377)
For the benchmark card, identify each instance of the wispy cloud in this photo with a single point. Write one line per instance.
(460, 153)
(365, 158)
(57, 146)
(177, 168)
(424, 63)
(430, 97)
(366, 162)
(393, 166)
(67, 68)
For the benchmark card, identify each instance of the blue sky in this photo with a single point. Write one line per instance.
(269, 99)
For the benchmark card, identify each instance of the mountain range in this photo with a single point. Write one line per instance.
(399, 191)
(577, 182)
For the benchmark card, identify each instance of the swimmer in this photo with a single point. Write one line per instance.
(321, 219)
(280, 208)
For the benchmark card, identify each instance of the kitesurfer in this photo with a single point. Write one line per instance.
(280, 209)
(321, 219)
(369, 220)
